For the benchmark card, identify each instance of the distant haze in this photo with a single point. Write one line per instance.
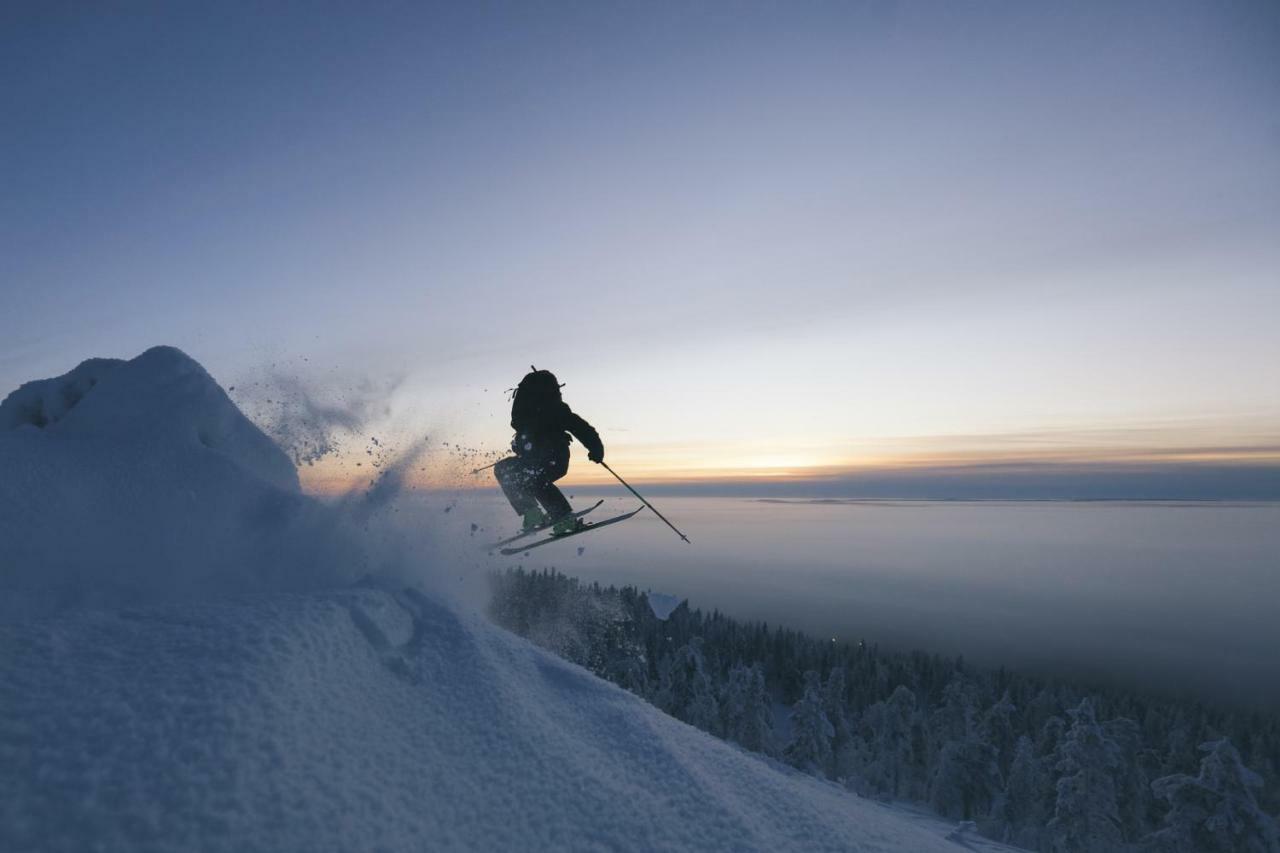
(1177, 597)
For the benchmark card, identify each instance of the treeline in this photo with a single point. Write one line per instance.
(1040, 763)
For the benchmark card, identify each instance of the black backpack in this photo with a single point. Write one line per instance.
(536, 398)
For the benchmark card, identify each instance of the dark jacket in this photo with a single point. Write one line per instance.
(550, 426)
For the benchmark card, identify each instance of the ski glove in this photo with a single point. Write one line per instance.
(596, 454)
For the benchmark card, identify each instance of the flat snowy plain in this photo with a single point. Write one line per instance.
(193, 655)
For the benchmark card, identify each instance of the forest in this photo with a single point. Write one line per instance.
(1042, 763)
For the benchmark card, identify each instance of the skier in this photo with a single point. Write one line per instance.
(543, 423)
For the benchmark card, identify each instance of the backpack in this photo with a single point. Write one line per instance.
(536, 399)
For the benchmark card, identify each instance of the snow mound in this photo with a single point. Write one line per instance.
(45, 401)
(162, 399)
(369, 719)
(127, 481)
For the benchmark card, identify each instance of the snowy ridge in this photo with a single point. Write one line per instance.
(162, 399)
(364, 719)
(129, 481)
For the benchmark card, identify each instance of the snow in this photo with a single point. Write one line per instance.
(194, 668)
(132, 481)
(160, 401)
(361, 719)
(662, 604)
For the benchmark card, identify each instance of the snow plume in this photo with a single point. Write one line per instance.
(356, 443)
(345, 434)
(391, 482)
(308, 422)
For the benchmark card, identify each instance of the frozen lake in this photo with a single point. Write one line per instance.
(1165, 595)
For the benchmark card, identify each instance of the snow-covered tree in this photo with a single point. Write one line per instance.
(1214, 812)
(1028, 797)
(1086, 817)
(956, 718)
(891, 743)
(914, 738)
(998, 729)
(746, 711)
(1181, 742)
(1049, 739)
(686, 691)
(811, 731)
(966, 780)
(833, 703)
(1133, 786)
(630, 672)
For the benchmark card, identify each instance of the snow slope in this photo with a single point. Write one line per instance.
(362, 719)
(227, 713)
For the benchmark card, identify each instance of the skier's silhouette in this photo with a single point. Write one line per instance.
(543, 423)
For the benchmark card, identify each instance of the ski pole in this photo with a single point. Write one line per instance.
(643, 501)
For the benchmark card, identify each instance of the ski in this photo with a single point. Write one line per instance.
(579, 514)
(585, 528)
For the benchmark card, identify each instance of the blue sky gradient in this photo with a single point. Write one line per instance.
(895, 224)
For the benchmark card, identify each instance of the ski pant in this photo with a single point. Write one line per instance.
(529, 481)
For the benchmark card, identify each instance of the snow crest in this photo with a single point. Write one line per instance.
(162, 399)
(140, 480)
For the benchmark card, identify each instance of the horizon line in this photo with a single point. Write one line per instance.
(1183, 481)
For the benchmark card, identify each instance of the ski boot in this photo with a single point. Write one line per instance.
(533, 520)
(567, 524)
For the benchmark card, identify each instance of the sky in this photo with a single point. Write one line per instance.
(787, 243)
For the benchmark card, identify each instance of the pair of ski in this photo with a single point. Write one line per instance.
(520, 549)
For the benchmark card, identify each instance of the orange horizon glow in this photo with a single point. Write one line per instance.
(687, 464)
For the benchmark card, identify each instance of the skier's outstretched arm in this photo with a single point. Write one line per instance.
(585, 433)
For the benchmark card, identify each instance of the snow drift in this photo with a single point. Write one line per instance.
(232, 690)
(161, 401)
(125, 481)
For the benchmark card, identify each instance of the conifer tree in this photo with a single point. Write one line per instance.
(837, 711)
(1027, 792)
(811, 731)
(1133, 787)
(966, 781)
(890, 751)
(1086, 817)
(1215, 812)
(685, 689)
(954, 719)
(748, 718)
(998, 729)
